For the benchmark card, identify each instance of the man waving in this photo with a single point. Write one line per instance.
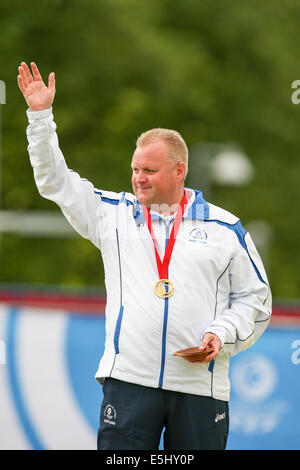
(185, 286)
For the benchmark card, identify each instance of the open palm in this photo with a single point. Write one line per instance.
(38, 96)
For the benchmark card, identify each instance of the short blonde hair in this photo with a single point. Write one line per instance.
(178, 151)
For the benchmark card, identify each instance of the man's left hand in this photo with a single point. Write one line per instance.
(212, 342)
(208, 350)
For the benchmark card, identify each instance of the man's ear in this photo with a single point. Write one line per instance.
(180, 168)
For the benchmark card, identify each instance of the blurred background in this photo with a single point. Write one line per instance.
(222, 74)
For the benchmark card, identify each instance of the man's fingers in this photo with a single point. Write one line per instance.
(203, 345)
(22, 76)
(210, 340)
(21, 84)
(36, 74)
(51, 81)
(25, 73)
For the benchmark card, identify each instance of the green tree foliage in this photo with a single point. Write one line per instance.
(215, 71)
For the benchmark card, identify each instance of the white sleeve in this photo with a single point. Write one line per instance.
(75, 196)
(249, 312)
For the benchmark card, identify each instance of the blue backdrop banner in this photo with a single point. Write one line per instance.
(51, 400)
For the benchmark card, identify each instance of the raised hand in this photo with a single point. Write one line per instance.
(38, 96)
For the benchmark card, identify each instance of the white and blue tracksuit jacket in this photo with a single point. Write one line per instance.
(220, 282)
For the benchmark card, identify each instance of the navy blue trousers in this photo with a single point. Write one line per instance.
(133, 417)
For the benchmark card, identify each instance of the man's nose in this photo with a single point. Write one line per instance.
(140, 177)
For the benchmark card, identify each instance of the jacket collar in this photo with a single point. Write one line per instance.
(199, 208)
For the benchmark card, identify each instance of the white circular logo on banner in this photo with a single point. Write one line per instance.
(254, 378)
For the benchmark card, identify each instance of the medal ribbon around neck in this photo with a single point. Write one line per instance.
(164, 288)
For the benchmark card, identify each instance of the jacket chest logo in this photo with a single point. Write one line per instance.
(198, 235)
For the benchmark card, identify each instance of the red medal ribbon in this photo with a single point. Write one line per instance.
(163, 266)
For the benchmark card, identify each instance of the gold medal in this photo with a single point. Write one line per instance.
(164, 288)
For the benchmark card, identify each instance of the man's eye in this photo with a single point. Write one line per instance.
(147, 170)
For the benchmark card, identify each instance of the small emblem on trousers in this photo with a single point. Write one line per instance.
(110, 414)
(219, 417)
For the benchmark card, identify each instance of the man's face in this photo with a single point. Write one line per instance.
(154, 176)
